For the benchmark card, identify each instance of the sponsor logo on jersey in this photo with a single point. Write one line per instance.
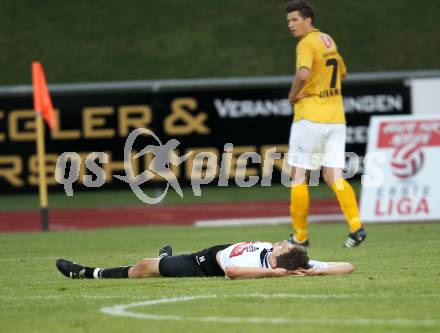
(239, 249)
(327, 41)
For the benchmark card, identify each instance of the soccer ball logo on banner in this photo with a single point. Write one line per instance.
(407, 160)
(408, 190)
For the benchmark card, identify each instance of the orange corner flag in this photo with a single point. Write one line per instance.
(42, 101)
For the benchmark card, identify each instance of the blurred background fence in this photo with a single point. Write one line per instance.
(251, 113)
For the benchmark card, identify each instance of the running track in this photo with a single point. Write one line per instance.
(65, 219)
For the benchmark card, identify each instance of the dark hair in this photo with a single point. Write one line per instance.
(301, 6)
(296, 258)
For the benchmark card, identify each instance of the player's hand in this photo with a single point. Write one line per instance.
(280, 272)
(293, 99)
(297, 272)
(307, 272)
(286, 272)
(297, 98)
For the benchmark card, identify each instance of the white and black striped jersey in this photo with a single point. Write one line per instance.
(246, 254)
(253, 254)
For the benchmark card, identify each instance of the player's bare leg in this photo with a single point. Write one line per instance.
(148, 267)
(299, 206)
(348, 203)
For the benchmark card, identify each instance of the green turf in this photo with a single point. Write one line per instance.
(87, 41)
(397, 275)
(102, 199)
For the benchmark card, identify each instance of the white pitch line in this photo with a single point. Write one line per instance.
(122, 311)
(265, 220)
(50, 297)
(326, 296)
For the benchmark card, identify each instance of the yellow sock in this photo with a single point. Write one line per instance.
(347, 200)
(299, 209)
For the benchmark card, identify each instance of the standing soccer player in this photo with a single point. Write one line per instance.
(317, 137)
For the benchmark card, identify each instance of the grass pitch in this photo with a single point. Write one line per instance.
(395, 286)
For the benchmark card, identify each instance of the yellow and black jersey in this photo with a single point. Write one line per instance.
(323, 103)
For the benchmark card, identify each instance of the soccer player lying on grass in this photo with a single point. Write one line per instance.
(245, 260)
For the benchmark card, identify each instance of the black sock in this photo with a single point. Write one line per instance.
(114, 273)
(89, 272)
(107, 273)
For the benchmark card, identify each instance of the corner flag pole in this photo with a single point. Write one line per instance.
(44, 110)
(42, 181)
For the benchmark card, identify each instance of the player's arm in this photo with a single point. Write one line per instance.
(301, 76)
(236, 272)
(343, 68)
(333, 268)
(304, 61)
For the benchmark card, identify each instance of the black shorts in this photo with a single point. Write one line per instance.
(198, 264)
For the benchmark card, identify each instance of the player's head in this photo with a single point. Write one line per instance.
(300, 17)
(290, 256)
